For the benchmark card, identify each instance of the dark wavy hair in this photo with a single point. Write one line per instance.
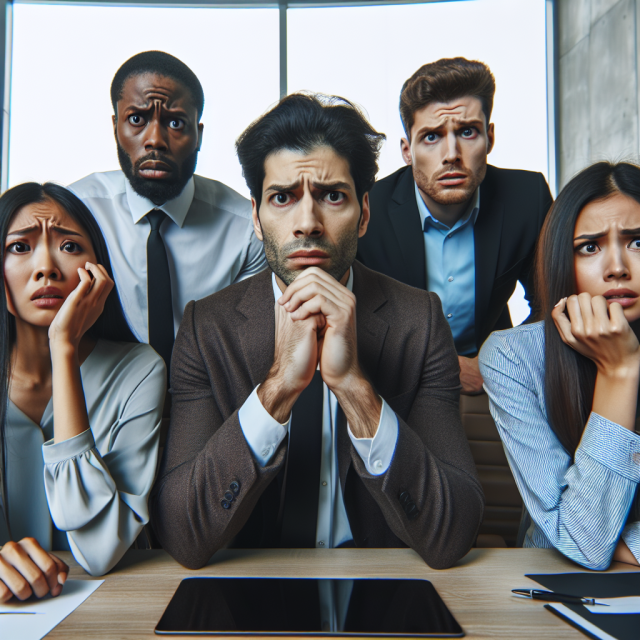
(569, 376)
(111, 325)
(303, 122)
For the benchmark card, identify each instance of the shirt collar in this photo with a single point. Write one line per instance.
(276, 289)
(470, 215)
(176, 209)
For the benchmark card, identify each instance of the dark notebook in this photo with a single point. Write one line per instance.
(596, 585)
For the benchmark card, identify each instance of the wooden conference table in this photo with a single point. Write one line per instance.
(477, 590)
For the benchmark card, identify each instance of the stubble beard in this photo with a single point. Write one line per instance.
(158, 191)
(449, 195)
(341, 255)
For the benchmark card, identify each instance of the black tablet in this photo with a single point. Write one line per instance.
(308, 606)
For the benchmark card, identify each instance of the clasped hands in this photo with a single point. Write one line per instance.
(316, 325)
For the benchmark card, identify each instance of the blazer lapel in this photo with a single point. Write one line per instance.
(372, 331)
(257, 333)
(405, 219)
(487, 233)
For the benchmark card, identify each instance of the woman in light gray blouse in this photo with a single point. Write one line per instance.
(80, 399)
(564, 392)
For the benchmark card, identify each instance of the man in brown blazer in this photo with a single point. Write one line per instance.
(316, 403)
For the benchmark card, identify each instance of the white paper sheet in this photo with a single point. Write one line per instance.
(49, 611)
(628, 604)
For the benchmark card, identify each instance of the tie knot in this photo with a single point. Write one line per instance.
(156, 217)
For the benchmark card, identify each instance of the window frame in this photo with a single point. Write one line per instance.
(6, 45)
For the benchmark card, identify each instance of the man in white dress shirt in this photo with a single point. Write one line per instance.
(197, 232)
(315, 405)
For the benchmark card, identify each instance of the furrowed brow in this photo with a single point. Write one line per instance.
(332, 186)
(283, 187)
(24, 230)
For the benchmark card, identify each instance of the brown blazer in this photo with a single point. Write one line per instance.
(224, 349)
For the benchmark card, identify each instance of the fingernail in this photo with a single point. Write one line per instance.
(62, 578)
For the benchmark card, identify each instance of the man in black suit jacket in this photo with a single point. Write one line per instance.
(480, 223)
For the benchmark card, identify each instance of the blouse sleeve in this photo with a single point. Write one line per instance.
(580, 506)
(101, 500)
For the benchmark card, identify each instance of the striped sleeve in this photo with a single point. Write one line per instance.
(579, 507)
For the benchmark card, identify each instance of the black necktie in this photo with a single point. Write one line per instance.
(302, 481)
(159, 290)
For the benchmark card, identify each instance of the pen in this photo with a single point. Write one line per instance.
(17, 613)
(551, 596)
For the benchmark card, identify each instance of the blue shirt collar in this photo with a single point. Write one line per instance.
(469, 216)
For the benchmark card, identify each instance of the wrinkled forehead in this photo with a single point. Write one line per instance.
(615, 213)
(453, 113)
(43, 215)
(144, 89)
(321, 165)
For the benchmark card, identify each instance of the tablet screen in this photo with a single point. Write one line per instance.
(308, 606)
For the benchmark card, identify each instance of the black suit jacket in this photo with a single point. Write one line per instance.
(513, 205)
(225, 348)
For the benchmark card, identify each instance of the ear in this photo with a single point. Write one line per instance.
(200, 130)
(405, 150)
(115, 124)
(491, 137)
(256, 220)
(365, 216)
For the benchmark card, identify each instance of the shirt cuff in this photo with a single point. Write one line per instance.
(377, 452)
(262, 432)
(54, 452)
(612, 446)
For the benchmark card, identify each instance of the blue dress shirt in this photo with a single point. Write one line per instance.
(580, 506)
(264, 434)
(451, 270)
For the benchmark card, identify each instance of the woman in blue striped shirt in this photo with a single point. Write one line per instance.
(564, 391)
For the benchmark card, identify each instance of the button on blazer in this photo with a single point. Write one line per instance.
(429, 499)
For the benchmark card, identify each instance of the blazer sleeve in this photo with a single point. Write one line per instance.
(527, 277)
(430, 496)
(205, 453)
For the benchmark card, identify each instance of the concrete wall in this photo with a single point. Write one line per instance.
(599, 101)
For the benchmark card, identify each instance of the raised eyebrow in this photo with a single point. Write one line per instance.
(23, 231)
(469, 123)
(590, 236)
(630, 232)
(333, 186)
(56, 228)
(282, 188)
(66, 232)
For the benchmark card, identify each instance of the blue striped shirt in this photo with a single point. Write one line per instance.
(580, 507)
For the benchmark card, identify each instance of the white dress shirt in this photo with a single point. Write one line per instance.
(264, 435)
(208, 235)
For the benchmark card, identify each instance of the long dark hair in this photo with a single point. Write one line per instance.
(111, 325)
(569, 376)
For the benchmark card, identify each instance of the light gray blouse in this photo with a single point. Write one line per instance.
(96, 484)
